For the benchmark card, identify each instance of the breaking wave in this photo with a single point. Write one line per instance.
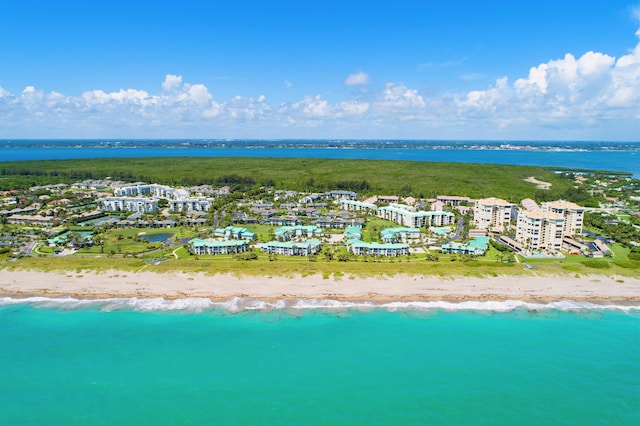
(239, 304)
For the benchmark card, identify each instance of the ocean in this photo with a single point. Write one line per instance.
(131, 362)
(191, 361)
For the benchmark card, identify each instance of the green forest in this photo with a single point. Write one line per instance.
(415, 178)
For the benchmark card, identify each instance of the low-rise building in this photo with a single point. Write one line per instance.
(291, 248)
(129, 204)
(476, 246)
(392, 235)
(285, 233)
(409, 217)
(200, 246)
(357, 206)
(35, 220)
(234, 232)
(377, 249)
(452, 200)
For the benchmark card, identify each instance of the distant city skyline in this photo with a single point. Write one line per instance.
(352, 70)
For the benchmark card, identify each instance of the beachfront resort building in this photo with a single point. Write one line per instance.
(357, 206)
(572, 213)
(353, 237)
(452, 200)
(200, 246)
(291, 248)
(493, 214)
(539, 231)
(408, 216)
(361, 248)
(143, 198)
(392, 235)
(286, 233)
(235, 233)
(476, 246)
(129, 204)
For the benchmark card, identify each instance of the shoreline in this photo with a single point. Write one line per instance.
(597, 289)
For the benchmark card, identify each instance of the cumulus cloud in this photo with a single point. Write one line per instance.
(171, 81)
(357, 79)
(578, 93)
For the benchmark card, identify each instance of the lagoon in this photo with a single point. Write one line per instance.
(627, 160)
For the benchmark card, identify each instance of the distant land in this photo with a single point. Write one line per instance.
(532, 145)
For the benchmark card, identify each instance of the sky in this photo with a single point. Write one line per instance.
(453, 70)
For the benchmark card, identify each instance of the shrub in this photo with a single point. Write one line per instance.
(596, 264)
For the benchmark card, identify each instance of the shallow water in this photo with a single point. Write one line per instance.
(131, 361)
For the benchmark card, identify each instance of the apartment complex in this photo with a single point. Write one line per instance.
(572, 213)
(143, 198)
(409, 217)
(289, 248)
(493, 214)
(199, 246)
(540, 230)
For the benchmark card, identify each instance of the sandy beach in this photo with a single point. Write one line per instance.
(595, 288)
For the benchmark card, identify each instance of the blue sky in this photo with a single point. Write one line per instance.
(549, 70)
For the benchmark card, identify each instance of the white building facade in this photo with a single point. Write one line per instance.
(493, 214)
(540, 231)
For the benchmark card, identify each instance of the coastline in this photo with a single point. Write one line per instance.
(599, 289)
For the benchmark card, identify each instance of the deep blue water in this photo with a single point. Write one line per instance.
(623, 159)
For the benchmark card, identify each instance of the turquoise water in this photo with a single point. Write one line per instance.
(108, 363)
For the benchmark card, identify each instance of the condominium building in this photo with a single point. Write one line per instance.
(376, 249)
(289, 248)
(540, 231)
(452, 200)
(142, 197)
(357, 206)
(492, 213)
(476, 246)
(190, 204)
(285, 233)
(235, 233)
(392, 235)
(199, 246)
(409, 217)
(130, 204)
(144, 189)
(572, 213)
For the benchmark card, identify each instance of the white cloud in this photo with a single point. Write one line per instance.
(353, 108)
(314, 107)
(399, 97)
(357, 79)
(288, 83)
(171, 82)
(573, 95)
